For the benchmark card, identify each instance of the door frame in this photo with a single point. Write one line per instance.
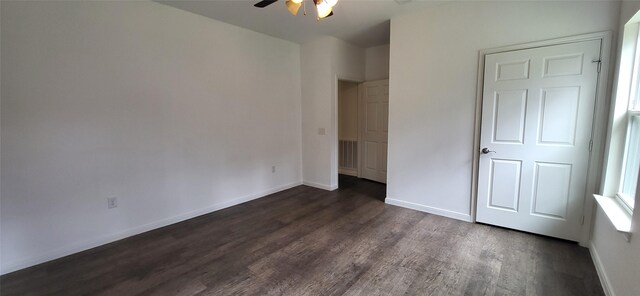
(598, 128)
(335, 141)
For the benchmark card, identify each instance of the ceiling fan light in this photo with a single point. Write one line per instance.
(293, 7)
(296, 1)
(323, 8)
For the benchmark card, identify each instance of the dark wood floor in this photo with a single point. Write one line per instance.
(306, 241)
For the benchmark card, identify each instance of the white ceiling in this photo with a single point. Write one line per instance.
(361, 22)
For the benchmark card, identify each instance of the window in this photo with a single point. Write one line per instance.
(631, 160)
(629, 182)
(622, 159)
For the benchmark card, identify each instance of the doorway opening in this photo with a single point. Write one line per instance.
(348, 128)
(362, 129)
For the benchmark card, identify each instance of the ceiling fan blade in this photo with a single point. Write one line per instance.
(293, 7)
(264, 3)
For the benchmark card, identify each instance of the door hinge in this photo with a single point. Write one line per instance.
(599, 61)
(590, 145)
(582, 223)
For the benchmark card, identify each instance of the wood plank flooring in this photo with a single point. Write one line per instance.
(306, 241)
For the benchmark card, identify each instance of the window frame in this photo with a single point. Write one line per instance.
(627, 199)
(632, 114)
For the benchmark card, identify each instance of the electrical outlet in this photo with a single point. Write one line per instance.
(322, 131)
(112, 202)
(273, 168)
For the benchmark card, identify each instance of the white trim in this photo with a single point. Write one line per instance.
(550, 42)
(621, 198)
(604, 280)
(320, 186)
(598, 134)
(617, 214)
(475, 162)
(428, 209)
(105, 239)
(598, 126)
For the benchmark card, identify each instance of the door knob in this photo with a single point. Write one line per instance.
(487, 151)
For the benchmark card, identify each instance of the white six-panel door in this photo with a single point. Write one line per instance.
(537, 112)
(374, 129)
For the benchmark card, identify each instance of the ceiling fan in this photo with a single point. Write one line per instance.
(323, 7)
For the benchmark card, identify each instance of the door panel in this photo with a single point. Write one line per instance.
(558, 115)
(371, 119)
(563, 65)
(537, 112)
(509, 116)
(371, 155)
(375, 109)
(505, 184)
(551, 189)
(512, 70)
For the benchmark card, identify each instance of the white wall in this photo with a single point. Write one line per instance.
(618, 261)
(377, 62)
(323, 60)
(433, 72)
(173, 113)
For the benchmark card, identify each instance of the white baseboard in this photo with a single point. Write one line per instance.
(428, 209)
(105, 239)
(348, 172)
(604, 280)
(320, 186)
